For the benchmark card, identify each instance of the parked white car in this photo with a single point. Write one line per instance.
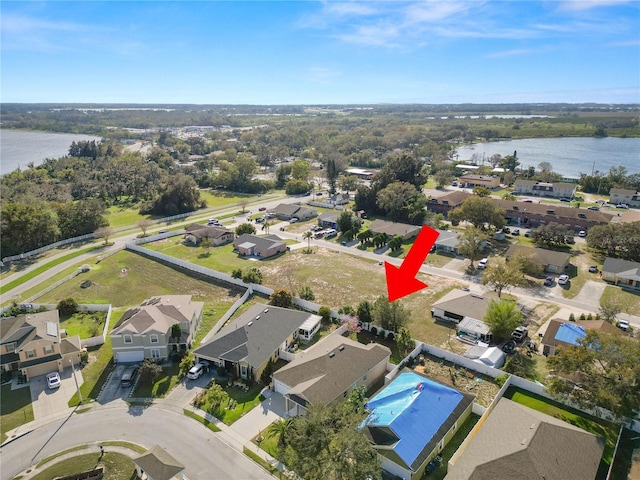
(482, 264)
(53, 380)
(563, 279)
(196, 371)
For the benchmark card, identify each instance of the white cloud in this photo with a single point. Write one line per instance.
(580, 5)
(509, 53)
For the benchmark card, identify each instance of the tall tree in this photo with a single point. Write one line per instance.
(390, 316)
(500, 274)
(480, 212)
(603, 371)
(503, 317)
(308, 235)
(471, 243)
(332, 175)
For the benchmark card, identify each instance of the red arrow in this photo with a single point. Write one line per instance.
(402, 281)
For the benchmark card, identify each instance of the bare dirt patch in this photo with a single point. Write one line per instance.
(467, 381)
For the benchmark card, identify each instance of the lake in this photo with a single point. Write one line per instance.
(570, 156)
(18, 148)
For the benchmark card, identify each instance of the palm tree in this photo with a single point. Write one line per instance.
(265, 226)
(280, 429)
(308, 235)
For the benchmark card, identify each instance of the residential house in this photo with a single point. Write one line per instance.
(392, 229)
(287, 211)
(157, 464)
(411, 420)
(217, 235)
(328, 220)
(33, 345)
(622, 272)
(146, 331)
(560, 333)
(536, 214)
(623, 195)
(245, 346)
(338, 199)
(471, 180)
(318, 375)
(448, 202)
(549, 260)
(448, 241)
(545, 189)
(458, 304)
(518, 442)
(261, 246)
(488, 356)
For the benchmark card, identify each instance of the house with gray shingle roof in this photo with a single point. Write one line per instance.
(319, 376)
(549, 260)
(217, 235)
(145, 331)
(392, 229)
(518, 442)
(458, 304)
(245, 346)
(287, 211)
(157, 464)
(622, 272)
(261, 246)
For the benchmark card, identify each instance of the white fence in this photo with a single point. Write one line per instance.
(51, 287)
(315, 203)
(48, 247)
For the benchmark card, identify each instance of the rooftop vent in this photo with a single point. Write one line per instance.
(477, 296)
(341, 347)
(249, 324)
(332, 354)
(266, 310)
(257, 317)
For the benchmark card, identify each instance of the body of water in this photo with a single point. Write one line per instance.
(569, 156)
(19, 148)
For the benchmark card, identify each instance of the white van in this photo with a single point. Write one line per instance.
(482, 264)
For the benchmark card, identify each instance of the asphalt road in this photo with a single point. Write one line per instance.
(203, 453)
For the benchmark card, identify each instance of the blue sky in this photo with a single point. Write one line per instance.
(307, 52)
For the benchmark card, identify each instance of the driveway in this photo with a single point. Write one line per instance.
(182, 394)
(111, 390)
(261, 416)
(590, 294)
(50, 403)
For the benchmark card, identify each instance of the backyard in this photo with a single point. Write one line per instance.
(85, 324)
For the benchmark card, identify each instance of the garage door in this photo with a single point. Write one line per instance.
(128, 357)
(281, 387)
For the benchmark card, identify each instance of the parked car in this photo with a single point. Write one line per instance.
(509, 347)
(259, 219)
(593, 268)
(196, 371)
(582, 233)
(623, 325)
(129, 376)
(563, 279)
(622, 205)
(262, 209)
(595, 209)
(519, 334)
(527, 201)
(548, 281)
(53, 380)
(482, 264)
(506, 230)
(566, 200)
(515, 231)
(293, 220)
(454, 183)
(527, 233)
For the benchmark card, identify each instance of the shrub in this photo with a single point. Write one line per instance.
(306, 293)
(589, 317)
(583, 316)
(150, 371)
(67, 306)
(84, 357)
(374, 330)
(572, 317)
(501, 379)
(252, 276)
(237, 273)
(325, 313)
(391, 336)
(281, 298)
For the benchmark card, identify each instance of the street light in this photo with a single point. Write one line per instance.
(76, 379)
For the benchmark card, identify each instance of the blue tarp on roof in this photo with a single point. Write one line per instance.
(414, 408)
(570, 333)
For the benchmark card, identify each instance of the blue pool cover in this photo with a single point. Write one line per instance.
(570, 333)
(414, 408)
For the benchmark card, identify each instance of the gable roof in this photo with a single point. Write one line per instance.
(158, 464)
(560, 211)
(560, 332)
(452, 199)
(24, 329)
(447, 238)
(158, 314)
(518, 442)
(210, 231)
(254, 336)
(247, 240)
(291, 210)
(539, 255)
(318, 376)
(329, 217)
(622, 268)
(464, 303)
(411, 415)
(393, 228)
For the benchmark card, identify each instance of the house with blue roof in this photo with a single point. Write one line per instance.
(560, 333)
(411, 420)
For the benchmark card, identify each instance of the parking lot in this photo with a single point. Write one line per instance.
(47, 402)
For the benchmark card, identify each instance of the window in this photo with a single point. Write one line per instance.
(128, 339)
(48, 350)
(155, 353)
(11, 347)
(153, 338)
(31, 353)
(243, 371)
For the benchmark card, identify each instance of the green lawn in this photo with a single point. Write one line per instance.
(117, 466)
(629, 302)
(15, 409)
(591, 424)
(244, 402)
(203, 421)
(170, 378)
(85, 324)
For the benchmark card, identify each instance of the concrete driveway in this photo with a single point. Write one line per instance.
(50, 403)
(254, 422)
(111, 390)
